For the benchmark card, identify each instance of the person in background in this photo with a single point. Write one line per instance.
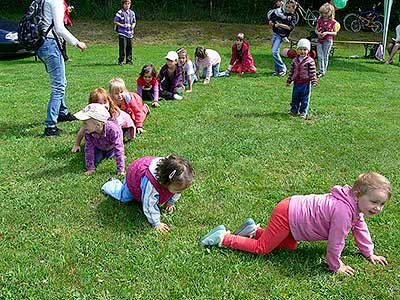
(125, 22)
(171, 78)
(147, 85)
(241, 59)
(189, 69)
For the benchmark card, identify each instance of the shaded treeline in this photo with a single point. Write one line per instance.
(239, 11)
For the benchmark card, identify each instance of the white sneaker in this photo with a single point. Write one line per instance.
(177, 97)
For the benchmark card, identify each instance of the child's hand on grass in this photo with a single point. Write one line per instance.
(76, 149)
(206, 81)
(169, 208)
(88, 172)
(139, 130)
(162, 227)
(378, 259)
(347, 270)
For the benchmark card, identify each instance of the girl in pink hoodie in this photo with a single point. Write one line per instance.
(313, 218)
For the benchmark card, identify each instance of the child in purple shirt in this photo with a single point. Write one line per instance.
(125, 22)
(103, 135)
(313, 217)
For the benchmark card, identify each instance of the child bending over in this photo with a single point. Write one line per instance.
(101, 96)
(103, 137)
(170, 78)
(154, 182)
(129, 102)
(147, 84)
(189, 69)
(313, 218)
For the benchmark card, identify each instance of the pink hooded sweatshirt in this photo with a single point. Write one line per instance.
(330, 217)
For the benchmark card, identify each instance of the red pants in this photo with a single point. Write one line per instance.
(276, 235)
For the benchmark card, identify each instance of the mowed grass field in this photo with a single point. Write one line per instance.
(61, 238)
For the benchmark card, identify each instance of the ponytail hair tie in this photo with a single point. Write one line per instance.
(172, 174)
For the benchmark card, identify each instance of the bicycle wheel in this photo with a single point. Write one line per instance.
(348, 19)
(378, 27)
(312, 18)
(356, 26)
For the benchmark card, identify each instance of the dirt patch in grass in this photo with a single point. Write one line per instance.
(196, 33)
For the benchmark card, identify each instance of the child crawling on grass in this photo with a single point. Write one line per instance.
(312, 217)
(154, 182)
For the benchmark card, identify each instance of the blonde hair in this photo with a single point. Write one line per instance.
(117, 85)
(372, 181)
(327, 11)
(101, 93)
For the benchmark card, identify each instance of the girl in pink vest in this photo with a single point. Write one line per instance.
(153, 182)
(313, 218)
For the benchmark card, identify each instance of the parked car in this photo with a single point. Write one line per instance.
(9, 45)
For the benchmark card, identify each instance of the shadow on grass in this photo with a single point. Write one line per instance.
(8, 129)
(304, 261)
(122, 217)
(98, 64)
(256, 114)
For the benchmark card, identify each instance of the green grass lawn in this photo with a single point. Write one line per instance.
(61, 238)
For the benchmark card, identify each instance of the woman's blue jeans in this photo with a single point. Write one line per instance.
(276, 46)
(51, 56)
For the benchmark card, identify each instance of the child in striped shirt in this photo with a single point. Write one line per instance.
(303, 73)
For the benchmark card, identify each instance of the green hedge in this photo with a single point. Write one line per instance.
(240, 11)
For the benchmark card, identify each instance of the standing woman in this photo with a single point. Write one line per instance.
(51, 55)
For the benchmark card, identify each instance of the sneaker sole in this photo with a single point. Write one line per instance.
(203, 240)
(247, 228)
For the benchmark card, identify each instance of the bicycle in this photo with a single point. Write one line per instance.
(310, 16)
(370, 19)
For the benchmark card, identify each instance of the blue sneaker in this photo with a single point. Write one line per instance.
(214, 237)
(247, 229)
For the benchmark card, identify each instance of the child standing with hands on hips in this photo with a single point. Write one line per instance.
(303, 73)
(125, 22)
(153, 182)
(313, 218)
(147, 85)
(129, 102)
(325, 30)
(103, 137)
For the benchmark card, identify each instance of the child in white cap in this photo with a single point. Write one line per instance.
(103, 135)
(171, 78)
(303, 73)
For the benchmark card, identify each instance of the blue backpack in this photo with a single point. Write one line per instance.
(30, 29)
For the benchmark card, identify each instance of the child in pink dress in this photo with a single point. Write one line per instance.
(241, 59)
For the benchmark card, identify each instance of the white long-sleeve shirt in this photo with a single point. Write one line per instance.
(150, 197)
(211, 60)
(54, 12)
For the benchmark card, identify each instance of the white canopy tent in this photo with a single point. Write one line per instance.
(387, 10)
